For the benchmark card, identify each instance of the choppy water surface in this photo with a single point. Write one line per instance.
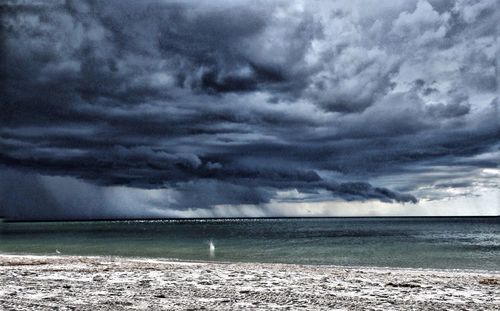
(451, 243)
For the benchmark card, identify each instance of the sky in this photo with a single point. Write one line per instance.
(139, 109)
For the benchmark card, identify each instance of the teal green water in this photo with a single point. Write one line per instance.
(450, 243)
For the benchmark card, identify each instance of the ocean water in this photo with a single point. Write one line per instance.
(449, 243)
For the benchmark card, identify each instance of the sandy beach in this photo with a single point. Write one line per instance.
(110, 283)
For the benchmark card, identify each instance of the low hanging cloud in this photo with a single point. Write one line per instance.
(230, 103)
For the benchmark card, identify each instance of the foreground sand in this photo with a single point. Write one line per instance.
(105, 283)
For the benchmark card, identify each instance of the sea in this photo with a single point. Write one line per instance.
(444, 242)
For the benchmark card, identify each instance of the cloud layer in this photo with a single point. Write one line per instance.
(233, 102)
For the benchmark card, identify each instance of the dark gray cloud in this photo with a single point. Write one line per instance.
(230, 102)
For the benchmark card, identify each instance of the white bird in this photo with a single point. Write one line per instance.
(57, 251)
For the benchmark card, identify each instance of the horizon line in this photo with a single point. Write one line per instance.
(233, 218)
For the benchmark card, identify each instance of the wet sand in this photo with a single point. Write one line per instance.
(110, 283)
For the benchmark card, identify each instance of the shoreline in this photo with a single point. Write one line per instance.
(195, 261)
(111, 283)
(168, 260)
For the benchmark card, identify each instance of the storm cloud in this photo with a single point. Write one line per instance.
(235, 102)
